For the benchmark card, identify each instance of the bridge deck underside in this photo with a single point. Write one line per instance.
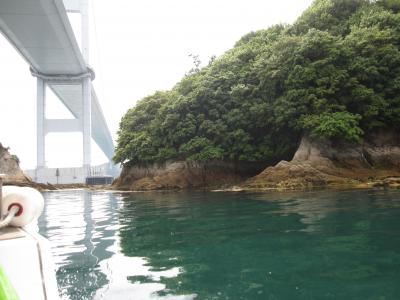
(71, 96)
(40, 31)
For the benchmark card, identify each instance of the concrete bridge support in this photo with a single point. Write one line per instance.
(83, 122)
(40, 123)
(42, 34)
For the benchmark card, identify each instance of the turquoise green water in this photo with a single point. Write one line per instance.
(312, 245)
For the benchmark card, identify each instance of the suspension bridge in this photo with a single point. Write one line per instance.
(42, 34)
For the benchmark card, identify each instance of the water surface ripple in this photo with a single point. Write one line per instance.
(311, 245)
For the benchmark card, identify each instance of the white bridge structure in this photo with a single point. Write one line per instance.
(41, 32)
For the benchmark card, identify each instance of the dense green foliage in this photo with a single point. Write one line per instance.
(334, 73)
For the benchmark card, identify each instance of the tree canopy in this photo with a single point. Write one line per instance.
(334, 73)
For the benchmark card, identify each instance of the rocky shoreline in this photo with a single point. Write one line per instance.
(54, 187)
(375, 163)
(384, 183)
(179, 175)
(316, 164)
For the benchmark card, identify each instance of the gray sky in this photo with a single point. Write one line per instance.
(136, 48)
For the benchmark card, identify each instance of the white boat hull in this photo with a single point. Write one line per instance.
(26, 260)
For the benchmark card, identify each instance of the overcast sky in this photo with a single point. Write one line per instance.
(136, 48)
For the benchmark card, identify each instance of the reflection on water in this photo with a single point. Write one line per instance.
(132, 278)
(314, 245)
(80, 232)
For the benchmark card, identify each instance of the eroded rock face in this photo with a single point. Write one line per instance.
(383, 151)
(9, 166)
(184, 175)
(325, 163)
(315, 164)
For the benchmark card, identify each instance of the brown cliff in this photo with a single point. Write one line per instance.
(323, 163)
(10, 167)
(375, 162)
(184, 175)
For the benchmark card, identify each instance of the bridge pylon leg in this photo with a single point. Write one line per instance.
(41, 121)
(87, 122)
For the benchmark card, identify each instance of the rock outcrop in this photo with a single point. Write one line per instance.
(10, 167)
(375, 162)
(184, 175)
(317, 164)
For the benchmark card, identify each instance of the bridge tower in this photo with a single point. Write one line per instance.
(42, 34)
(83, 121)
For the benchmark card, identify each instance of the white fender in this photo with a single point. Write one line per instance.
(29, 200)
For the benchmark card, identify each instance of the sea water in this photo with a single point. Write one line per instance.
(211, 245)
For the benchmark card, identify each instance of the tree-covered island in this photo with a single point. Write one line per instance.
(330, 82)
